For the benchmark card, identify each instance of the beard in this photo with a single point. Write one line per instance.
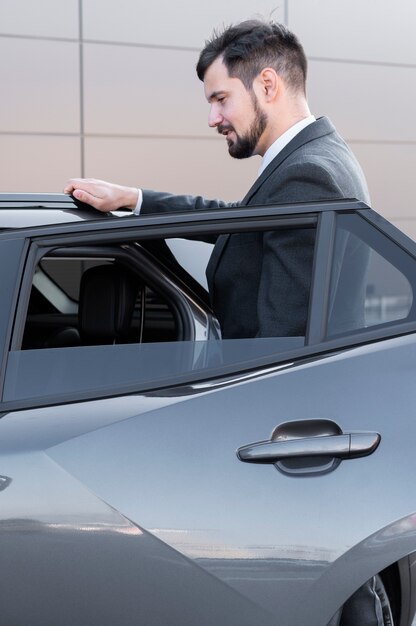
(244, 145)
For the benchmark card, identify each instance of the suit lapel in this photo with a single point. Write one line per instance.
(317, 129)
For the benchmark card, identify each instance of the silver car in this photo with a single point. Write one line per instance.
(152, 473)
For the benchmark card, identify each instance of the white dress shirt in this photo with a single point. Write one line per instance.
(282, 141)
(136, 210)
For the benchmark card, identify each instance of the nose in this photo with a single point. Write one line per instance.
(214, 118)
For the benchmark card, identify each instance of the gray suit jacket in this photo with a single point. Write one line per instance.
(259, 282)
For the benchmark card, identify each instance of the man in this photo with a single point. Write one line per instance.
(254, 77)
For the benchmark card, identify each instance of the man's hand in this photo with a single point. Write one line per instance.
(102, 195)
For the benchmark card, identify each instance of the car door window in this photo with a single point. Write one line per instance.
(372, 279)
(74, 345)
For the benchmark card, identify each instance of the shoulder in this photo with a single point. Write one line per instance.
(302, 180)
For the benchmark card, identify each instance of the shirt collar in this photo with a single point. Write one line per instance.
(282, 141)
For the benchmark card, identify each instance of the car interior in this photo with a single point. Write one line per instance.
(78, 301)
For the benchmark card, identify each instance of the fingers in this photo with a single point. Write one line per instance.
(88, 198)
(69, 188)
(91, 191)
(87, 184)
(102, 195)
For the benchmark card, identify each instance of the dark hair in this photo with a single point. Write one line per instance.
(250, 46)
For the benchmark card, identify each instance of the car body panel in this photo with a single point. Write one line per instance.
(238, 522)
(125, 502)
(241, 521)
(79, 561)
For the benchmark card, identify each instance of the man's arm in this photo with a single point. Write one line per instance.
(105, 196)
(161, 202)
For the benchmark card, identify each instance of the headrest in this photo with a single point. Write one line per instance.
(106, 303)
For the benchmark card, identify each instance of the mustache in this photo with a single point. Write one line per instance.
(224, 127)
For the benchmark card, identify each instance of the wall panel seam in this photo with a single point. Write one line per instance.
(38, 37)
(321, 59)
(387, 142)
(81, 91)
(410, 66)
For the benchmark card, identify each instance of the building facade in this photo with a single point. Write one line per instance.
(108, 89)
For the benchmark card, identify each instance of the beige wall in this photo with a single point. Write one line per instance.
(107, 88)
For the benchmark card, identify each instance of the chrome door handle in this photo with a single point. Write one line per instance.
(344, 446)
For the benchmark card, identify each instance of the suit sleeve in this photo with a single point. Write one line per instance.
(161, 202)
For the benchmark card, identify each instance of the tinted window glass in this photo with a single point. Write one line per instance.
(371, 281)
(389, 295)
(54, 320)
(66, 273)
(78, 339)
(93, 370)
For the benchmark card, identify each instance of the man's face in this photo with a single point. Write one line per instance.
(235, 112)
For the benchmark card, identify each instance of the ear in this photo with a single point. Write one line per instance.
(269, 83)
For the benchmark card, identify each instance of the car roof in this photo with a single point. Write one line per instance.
(22, 210)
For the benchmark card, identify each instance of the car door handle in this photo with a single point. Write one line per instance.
(344, 446)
